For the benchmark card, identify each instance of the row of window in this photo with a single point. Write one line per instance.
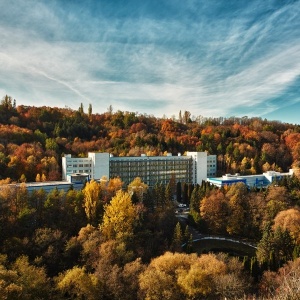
(149, 170)
(69, 171)
(158, 163)
(152, 180)
(79, 166)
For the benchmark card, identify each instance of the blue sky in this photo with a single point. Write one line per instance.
(210, 57)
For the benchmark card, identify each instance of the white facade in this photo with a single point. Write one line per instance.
(97, 165)
(71, 165)
(199, 166)
(260, 180)
(100, 165)
(47, 186)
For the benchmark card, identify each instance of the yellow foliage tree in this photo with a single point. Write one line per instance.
(137, 186)
(289, 220)
(5, 181)
(120, 217)
(198, 280)
(110, 187)
(23, 178)
(277, 200)
(114, 184)
(79, 284)
(23, 280)
(188, 276)
(44, 178)
(38, 177)
(91, 194)
(159, 280)
(237, 202)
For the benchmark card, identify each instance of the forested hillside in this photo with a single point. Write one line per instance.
(107, 242)
(33, 139)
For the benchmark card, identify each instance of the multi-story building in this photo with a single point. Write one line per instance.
(190, 168)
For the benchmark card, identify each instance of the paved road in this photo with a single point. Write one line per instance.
(200, 236)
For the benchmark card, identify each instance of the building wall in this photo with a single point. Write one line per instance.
(71, 165)
(191, 168)
(211, 165)
(47, 186)
(64, 166)
(152, 169)
(100, 165)
(78, 178)
(259, 180)
(199, 166)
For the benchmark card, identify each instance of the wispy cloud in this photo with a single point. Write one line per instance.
(209, 58)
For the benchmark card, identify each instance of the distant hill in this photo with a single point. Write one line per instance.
(33, 139)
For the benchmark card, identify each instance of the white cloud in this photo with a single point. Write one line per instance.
(209, 67)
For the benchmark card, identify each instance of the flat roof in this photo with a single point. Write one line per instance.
(132, 158)
(41, 184)
(220, 179)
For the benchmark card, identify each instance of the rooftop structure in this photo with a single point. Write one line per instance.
(47, 186)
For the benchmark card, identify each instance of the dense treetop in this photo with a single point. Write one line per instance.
(108, 241)
(33, 139)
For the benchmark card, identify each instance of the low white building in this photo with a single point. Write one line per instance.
(260, 180)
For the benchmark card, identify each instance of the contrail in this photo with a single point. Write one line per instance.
(62, 83)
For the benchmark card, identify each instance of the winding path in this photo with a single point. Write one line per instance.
(197, 236)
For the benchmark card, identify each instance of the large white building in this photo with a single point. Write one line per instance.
(190, 168)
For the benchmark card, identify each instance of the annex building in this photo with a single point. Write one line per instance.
(190, 168)
(258, 181)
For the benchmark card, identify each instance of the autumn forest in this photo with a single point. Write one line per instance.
(107, 242)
